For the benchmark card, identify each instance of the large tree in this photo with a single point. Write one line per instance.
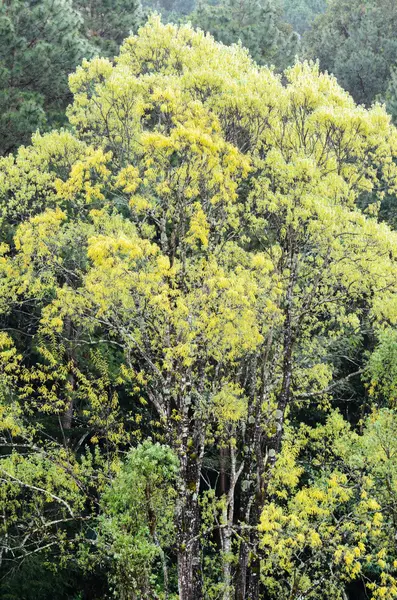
(192, 265)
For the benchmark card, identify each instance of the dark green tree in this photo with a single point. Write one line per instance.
(390, 97)
(301, 13)
(40, 44)
(170, 10)
(108, 22)
(258, 24)
(356, 41)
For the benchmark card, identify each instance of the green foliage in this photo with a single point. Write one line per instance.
(390, 96)
(381, 371)
(257, 24)
(136, 526)
(301, 13)
(40, 43)
(34, 581)
(339, 525)
(170, 10)
(108, 22)
(355, 41)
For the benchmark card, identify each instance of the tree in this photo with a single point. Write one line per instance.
(355, 41)
(390, 95)
(137, 522)
(171, 11)
(40, 44)
(108, 23)
(340, 524)
(257, 24)
(301, 13)
(193, 264)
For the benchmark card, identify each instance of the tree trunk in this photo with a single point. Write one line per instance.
(248, 576)
(249, 479)
(249, 585)
(191, 450)
(274, 443)
(189, 548)
(222, 467)
(227, 524)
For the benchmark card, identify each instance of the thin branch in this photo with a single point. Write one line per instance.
(38, 489)
(329, 388)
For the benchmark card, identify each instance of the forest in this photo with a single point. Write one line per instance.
(198, 300)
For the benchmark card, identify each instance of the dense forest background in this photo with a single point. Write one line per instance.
(198, 300)
(42, 42)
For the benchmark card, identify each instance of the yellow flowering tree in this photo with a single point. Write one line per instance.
(338, 527)
(192, 264)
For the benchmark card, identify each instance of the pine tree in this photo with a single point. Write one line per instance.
(108, 22)
(355, 40)
(258, 24)
(40, 44)
(301, 13)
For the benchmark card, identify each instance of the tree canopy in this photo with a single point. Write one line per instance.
(108, 23)
(197, 311)
(301, 13)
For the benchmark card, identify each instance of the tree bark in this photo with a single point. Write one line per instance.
(189, 548)
(227, 525)
(250, 481)
(190, 580)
